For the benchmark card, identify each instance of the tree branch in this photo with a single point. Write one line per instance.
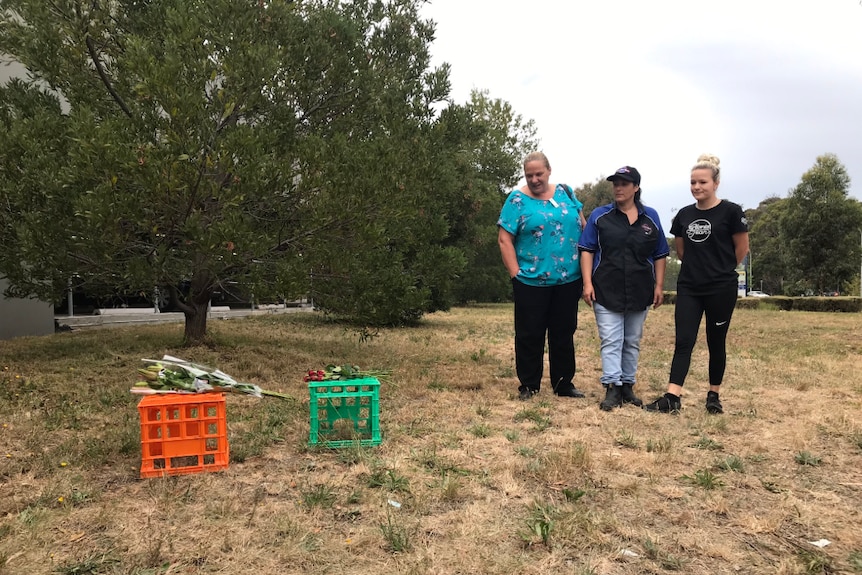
(91, 48)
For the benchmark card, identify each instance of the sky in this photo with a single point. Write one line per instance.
(766, 85)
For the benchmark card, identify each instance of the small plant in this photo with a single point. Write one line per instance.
(666, 560)
(354, 453)
(662, 445)
(704, 478)
(541, 421)
(855, 560)
(539, 523)
(814, 562)
(483, 410)
(572, 495)
(627, 439)
(731, 463)
(319, 496)
(437, 385)
(397, 536)
(807, 458)
(706, 443)
(524, 451)
(481, 430)
(511, 435)
(856, 438)
(390, 480)
(477, 357)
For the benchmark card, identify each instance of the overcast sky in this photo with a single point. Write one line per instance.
(766, 85)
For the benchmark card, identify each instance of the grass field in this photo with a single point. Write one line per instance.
(486, 484)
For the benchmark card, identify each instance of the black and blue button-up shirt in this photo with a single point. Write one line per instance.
(623, 256)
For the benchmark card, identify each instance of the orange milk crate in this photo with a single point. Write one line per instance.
(183, 433)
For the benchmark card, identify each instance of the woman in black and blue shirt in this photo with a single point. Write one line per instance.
(623, 257)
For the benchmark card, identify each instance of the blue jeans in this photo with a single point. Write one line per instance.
(620, 334)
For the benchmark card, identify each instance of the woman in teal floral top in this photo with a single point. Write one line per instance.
(539, 228)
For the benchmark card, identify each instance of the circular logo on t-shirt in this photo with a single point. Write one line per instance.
(699, 230)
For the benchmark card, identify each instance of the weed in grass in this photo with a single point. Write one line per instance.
(96, 563)
(437, 385)
(539, 523)
(535, 415)
(807, 458)
(578, 455)
(319, 496)
(478, 357)
(627, 439)
(481, 430)
(661, 445)
(704, 478)
(389, 480)
(483, 411)
(449, 486)
(856, 439)
(666, 560)
(706, 443)
(814, 562)
(354, 453)
(511, 435)
(524, 451)
(398, 537)
(855, 561)
(572, 495)
(506, 372)
(731, 463)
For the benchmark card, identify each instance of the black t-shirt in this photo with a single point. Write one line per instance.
(709, 255)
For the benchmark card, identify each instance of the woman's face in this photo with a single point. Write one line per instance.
(702, 185)
(537, 175)
(624, 191)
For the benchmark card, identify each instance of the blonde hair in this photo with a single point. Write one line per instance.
(709, 162)
(537, 157)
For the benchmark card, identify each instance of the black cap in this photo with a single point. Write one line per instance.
(627, 173)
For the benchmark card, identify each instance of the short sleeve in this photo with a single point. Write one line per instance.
(738, 223)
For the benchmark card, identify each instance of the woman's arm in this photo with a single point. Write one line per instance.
(679, 244)
(658, 295)
(740, 246)
(589, 293)
(506, 242)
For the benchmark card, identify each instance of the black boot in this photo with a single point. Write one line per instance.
(629, 395)
(613, 398)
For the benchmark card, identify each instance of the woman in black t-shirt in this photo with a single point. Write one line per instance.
(711, 238)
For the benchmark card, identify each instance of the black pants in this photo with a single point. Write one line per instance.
(688, 313)
(540, 310)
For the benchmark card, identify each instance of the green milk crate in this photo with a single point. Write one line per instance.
(344, 412)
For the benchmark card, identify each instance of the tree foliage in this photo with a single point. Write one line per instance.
(291, 148)
(808, 242)
(596, 194)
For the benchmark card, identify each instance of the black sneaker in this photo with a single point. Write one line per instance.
(667, 403)
(525, 393)
(713, 405)
(613, 398)
(568, 390)
(629, 395)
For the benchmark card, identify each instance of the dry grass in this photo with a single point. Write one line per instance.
(486, 484)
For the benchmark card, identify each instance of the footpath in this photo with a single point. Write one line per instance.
(130, 316)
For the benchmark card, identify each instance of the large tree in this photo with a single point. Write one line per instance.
(819, 227)
(290, 147)
(768, 251)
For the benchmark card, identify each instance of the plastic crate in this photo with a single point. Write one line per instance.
(183, 434)
(344, 412)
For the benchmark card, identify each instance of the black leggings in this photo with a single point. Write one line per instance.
(688, 313)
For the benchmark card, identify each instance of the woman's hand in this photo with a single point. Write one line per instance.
(657, 297)
(589, 294)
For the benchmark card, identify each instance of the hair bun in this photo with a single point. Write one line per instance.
(708, 159)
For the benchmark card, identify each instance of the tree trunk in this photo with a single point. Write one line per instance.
(196, 323)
